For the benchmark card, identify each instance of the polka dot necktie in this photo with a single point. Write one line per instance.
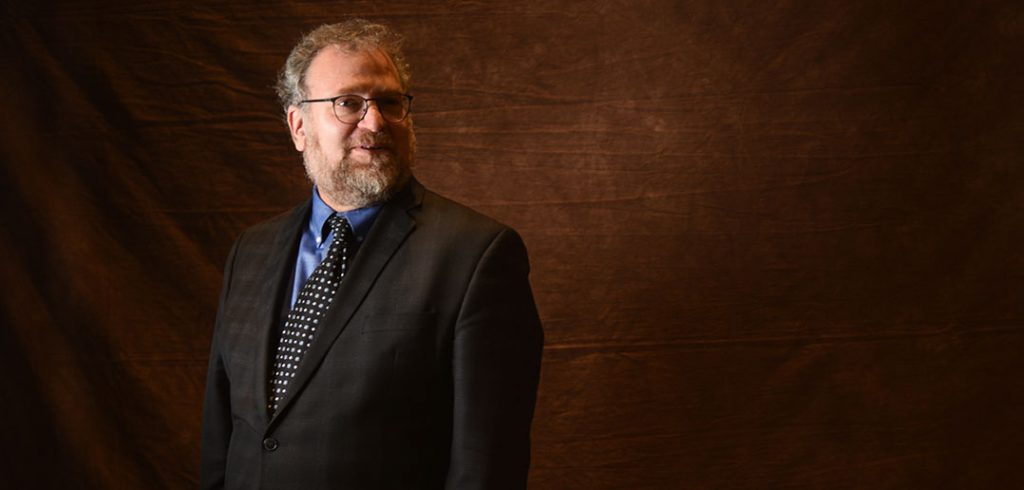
(313, 301)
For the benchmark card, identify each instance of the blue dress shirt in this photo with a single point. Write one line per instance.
(316, 240)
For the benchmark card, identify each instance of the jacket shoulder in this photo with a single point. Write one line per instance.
(445, 214)
(269, 229)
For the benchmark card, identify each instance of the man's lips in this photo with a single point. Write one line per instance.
(373, 148)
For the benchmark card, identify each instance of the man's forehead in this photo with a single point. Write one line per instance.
(339, 67)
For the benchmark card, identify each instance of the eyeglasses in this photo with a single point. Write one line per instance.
(350, 108)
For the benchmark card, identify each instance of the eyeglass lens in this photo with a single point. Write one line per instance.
(351, 108)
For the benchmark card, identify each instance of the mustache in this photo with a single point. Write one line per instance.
(372, 139)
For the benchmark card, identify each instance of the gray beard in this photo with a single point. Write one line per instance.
(355, 185)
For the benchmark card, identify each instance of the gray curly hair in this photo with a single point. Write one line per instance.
(354, 35)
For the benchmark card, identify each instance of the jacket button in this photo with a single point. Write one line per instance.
(270, 444)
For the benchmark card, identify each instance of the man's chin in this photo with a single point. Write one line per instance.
(366, 186)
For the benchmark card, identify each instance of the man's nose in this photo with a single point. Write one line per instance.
(372, 120)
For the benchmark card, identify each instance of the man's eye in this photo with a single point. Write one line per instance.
(350, 103)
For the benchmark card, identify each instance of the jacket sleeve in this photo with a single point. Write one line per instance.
(217, 403)
(496, 352)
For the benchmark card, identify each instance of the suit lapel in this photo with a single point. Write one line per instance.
(271, 298)
(389, 231)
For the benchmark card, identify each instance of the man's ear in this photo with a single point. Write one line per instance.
(296, 128)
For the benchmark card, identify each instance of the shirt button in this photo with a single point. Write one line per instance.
(270, 444)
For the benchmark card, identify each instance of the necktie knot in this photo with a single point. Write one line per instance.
(339, 225)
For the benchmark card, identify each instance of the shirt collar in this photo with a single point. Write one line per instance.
(359, 219)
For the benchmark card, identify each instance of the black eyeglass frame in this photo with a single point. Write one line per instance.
(366, 106)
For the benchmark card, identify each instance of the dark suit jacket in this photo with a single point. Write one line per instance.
(423, 373)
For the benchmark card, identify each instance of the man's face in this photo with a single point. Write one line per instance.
(352, 165)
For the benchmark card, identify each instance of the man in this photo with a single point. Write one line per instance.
(377, 336)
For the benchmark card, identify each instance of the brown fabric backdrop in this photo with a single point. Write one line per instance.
(775, 244)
